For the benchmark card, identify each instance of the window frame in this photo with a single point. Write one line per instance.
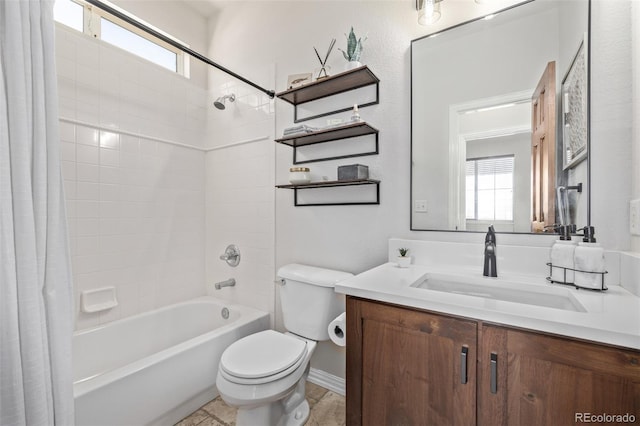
(91, 25)
(475, 219)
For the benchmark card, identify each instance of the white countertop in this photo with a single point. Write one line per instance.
(611, 317)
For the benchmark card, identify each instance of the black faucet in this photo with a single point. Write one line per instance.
(490, 254)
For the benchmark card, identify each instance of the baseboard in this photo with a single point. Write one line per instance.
(328, 381)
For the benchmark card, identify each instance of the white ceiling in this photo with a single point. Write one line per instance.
(456, 11)
(203, 7)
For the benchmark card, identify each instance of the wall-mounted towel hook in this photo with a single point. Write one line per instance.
(577, 187)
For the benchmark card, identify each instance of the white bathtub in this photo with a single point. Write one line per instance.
(156, 367)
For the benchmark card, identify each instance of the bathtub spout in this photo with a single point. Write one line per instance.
(227, 283)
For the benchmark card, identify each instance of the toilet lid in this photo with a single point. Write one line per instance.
(262, 354)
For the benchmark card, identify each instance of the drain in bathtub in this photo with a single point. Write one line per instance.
(225, 313)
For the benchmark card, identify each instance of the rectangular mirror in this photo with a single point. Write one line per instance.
(499, 121)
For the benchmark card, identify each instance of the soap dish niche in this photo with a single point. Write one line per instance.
(98, 300)
(599, 277)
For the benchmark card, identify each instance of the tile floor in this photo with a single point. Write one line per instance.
(327, 409)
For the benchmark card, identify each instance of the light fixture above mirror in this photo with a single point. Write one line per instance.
(428, 11)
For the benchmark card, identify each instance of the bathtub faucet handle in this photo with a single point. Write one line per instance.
(231, 255)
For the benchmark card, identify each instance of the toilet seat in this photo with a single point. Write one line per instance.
(262, 358)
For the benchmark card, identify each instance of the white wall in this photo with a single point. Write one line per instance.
(239, 196)
(354, 238)
(240, 175)
(611, 122)
(135, 208)
(135, 203)
(103, 85)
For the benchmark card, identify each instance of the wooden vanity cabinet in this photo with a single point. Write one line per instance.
(546, 380)
(407, 367)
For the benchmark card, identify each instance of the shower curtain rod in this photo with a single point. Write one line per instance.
(177, 45)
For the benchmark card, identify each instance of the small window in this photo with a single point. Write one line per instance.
(119, 33)
(131, 42)
(489, 188)
(69, 13)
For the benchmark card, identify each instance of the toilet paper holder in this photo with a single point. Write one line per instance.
(338, 330)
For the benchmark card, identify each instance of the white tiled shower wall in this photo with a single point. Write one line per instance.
(150, 217)
(103, 85)
(136, 213)
(240, 178)
(136, 204)
(239, 192)
(240, 210)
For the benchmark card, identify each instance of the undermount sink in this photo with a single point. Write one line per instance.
(557, 298)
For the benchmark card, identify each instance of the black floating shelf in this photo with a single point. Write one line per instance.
(326, 135)
(338, 83)
(334, 183)
(330, 183)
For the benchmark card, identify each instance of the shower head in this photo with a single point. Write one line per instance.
(220, 102)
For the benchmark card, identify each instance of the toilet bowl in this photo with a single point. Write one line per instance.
(264, 374)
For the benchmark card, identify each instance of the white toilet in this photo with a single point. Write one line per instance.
(264, 374)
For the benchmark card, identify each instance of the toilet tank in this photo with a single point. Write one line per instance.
(309, 302)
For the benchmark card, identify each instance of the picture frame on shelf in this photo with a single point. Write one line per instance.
(574, 109)
(297, 80)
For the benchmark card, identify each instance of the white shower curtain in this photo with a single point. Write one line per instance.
(36, 318)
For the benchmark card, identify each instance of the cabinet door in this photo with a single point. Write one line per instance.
(544, 380)
(407, 367)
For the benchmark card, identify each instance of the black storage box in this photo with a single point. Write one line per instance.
(353, 171)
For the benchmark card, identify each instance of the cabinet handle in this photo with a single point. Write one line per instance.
(494, 373)
(463, 365)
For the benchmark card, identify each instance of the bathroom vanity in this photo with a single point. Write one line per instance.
(409, 366)
(440, 344)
